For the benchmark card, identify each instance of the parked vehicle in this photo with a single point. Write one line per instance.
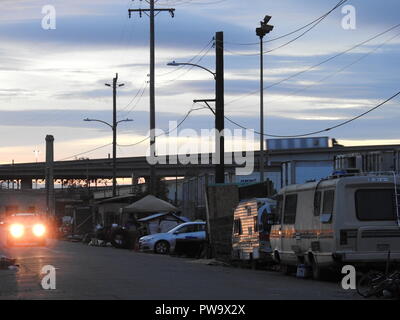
(253, 219)
(26, 229)
(164, 243)
(344, 220)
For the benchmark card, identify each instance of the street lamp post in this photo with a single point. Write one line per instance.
(219, 104)
(114, 161)
(261, 32)
(177, 64)
(113, 127)
(219, 144)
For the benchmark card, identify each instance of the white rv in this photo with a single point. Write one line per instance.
(339, 221)
(253, 219)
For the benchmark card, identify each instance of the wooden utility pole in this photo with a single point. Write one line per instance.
(114, 130)
(151, 12)
(219, 107)
(113, 127)
(49, 174)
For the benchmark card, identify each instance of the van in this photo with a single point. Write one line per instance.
(347, 220)
(253, 219)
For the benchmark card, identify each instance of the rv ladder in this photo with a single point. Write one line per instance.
(397, 198)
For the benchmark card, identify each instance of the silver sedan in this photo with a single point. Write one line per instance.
(164, 243)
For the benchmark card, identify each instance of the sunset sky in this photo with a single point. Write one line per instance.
(52, 79)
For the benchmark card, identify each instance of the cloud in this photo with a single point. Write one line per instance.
(51, 80)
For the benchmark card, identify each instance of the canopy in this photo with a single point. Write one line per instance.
(150, 204)
(161, 215)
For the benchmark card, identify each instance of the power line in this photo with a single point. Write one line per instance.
(86, 152)
(295, 92)
(316, 65)
(294, 31)
(190, 60)
(191, 2)
(319, 131)
(167, 82)
(291, 41)
(245, 128)
(169, 131)
(139, 92)
(137, 101)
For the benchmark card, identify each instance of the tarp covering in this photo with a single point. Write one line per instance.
(150, 204)
(162, 215)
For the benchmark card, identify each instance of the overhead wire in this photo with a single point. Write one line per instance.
(315, 65)
(292, 32)
(318, 131)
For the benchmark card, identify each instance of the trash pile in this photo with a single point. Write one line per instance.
(8, 263)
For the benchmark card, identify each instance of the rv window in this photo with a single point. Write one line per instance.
(279, 209)
(317, 203)
(375, 204)
(248, 209)
(256, 224)
(289, 216)
(237, 227)
(329, 197)
(250, 231)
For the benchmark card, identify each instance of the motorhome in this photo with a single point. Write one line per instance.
(343, 220)
(253, 219)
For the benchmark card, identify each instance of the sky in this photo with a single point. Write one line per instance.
(50, 80)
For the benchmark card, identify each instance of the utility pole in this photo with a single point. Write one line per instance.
(261, 32)
(114, 130)
(151, 12)
(113, 127)
(49, 175)
(219, 107)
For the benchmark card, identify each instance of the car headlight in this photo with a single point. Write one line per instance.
(39, 230)
(17, 230)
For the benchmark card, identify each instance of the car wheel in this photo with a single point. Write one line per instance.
(317, 272)
(161, 247)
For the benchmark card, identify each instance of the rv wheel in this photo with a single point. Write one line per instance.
(316, 271)
(285, 269)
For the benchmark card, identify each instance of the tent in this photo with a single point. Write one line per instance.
(150, 204)
(162, 222)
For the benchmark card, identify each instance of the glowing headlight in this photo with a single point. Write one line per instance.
(17, 230)
(39, 230)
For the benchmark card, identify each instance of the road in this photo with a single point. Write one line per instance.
(84, 272)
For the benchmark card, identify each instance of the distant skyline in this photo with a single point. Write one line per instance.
(52, 79)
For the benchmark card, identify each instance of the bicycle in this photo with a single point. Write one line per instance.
(378, 283)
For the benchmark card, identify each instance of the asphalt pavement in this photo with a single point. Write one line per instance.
(85, 272)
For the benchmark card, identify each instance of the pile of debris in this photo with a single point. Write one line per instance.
(8, 263)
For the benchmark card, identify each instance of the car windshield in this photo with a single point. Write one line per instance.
(175, 229)
(186, 228)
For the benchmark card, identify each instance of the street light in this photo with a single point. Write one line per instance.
(219, 103)
(264, 29)
(177, 64)
(114, 130)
